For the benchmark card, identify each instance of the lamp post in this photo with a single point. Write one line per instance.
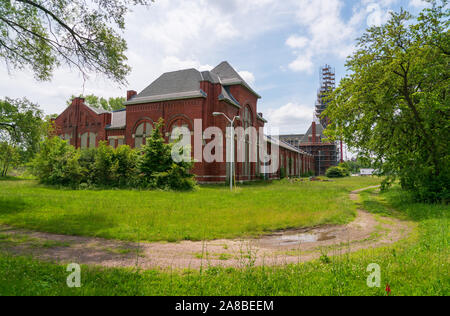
(231, 142)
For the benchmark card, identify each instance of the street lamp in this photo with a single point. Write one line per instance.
(231, 142)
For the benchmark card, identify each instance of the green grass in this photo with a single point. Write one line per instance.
(209, 212)
(416, 266)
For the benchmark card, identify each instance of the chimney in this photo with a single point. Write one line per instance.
(131, 94)
(313, 132)
(77, 100)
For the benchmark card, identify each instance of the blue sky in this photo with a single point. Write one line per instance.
(277, 46)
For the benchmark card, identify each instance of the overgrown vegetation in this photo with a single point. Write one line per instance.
(150, 167)
(338, 171)
(417, 266)
(21, 129)
(209, 212)
(394, 105)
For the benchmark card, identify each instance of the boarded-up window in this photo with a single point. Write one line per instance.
(92, 137)
(84, 140)
(143, 131)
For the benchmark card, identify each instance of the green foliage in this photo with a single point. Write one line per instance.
(209, 212)
(338, 172)
(58, 163)
(112, 104)
(21, 125)
(159, 169)
(416, 267)
(355, 165)
(394, 105)
(43, 35)
(9, 158)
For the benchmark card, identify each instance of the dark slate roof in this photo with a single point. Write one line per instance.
(211, 77)
(229, 76)
(228, 97)
(184, 84)
(174, 85)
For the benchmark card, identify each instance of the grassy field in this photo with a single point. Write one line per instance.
(207, 213)
(416, 266)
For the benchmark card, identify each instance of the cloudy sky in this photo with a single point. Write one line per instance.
(277, 46)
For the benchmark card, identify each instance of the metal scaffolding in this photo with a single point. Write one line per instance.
(327, 84)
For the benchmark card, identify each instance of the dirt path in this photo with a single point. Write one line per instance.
(291, 246)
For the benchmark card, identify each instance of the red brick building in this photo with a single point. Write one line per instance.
(182, 98)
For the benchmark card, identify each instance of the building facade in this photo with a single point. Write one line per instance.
(326, 154)
(182, 99)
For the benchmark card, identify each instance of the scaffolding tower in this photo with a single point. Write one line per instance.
(327, 84)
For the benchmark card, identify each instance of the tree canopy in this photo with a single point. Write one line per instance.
(21, 130)
(394, 105)
(44, 34)
(21, 124)
(111, 104)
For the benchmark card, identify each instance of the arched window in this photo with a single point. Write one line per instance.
(143, 131)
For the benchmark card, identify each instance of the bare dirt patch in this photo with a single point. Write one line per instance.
(278, 248)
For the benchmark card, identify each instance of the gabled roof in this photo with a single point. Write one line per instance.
(185, 84)
(319, 132)
(174, 85)
(229, 76)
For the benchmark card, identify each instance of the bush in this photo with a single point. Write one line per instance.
(158, 167)
(58, 163)
(337, 172)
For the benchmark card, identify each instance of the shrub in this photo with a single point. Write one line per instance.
(337, 172)
(158, 168)
(57, 163)
(152, 167)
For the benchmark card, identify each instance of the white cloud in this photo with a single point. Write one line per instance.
(295, 41)
(377, 16)
(302, 63)
(324, 33)
(420, 4)
(172, 63)
(290, 117)
(247, 76)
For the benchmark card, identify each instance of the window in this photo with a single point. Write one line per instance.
(88, 140)
(248, 122)
(143, 131)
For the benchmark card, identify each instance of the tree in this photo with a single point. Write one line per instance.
(9, 157)
(21, 125)
(158, 168)
(112, 104)
(394, 104)
(43, 35)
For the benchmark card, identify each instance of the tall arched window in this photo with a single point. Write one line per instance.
(248, 122)
(143, 131)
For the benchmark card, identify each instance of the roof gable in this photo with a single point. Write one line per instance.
(229, 76)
